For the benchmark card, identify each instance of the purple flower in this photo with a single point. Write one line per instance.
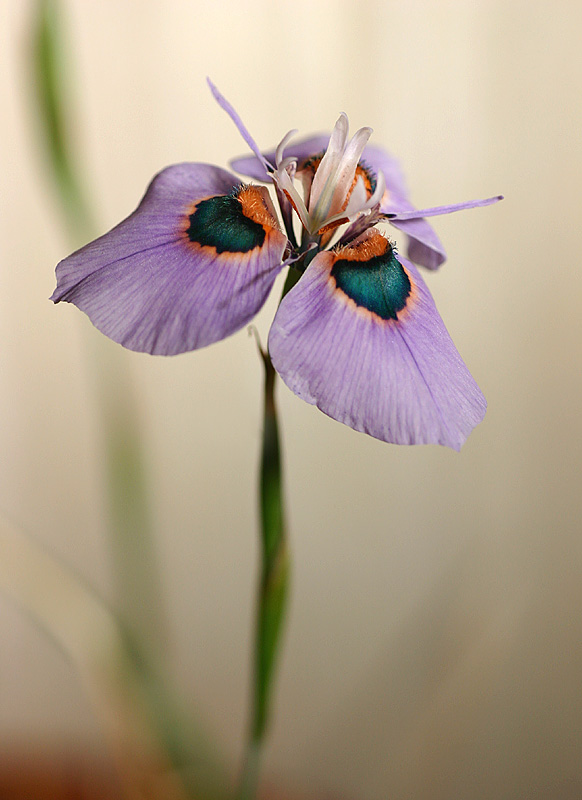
(358, 333)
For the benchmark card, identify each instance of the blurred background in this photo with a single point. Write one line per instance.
(433, 645)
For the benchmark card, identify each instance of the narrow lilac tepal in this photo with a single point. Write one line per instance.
(356, 333)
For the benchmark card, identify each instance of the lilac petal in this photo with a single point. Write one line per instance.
(251, 167)
(424, 246)
(400, 380)
(440, 210)
(152, 286)
(380, 161)
(266, 164)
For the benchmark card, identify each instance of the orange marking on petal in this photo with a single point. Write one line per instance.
(254, 206)
(288, 196)
(310, 164)
(364, 174)
(237, 259)
(363, 250)
(331, 226)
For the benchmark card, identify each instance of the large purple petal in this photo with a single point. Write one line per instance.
(176, 274)
(400, 380)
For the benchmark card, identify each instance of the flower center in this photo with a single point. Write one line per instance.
(338, 188)
(307, 169)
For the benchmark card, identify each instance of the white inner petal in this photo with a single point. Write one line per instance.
(358, 198)
(327, 198)
(330, 160)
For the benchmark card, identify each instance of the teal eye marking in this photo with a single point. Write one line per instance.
(220, 222)
(380, 284)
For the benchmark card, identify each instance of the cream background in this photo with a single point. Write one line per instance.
(433, 646)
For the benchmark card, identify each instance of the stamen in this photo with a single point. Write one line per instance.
(286, 163)
(282, 145)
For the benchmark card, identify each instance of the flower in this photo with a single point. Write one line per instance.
(357, 332)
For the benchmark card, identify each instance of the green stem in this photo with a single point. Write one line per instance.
(273, 585)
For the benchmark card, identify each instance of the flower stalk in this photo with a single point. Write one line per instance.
(273, 584)
(275, 557)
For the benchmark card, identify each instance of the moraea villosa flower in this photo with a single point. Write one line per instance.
(357, 332)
